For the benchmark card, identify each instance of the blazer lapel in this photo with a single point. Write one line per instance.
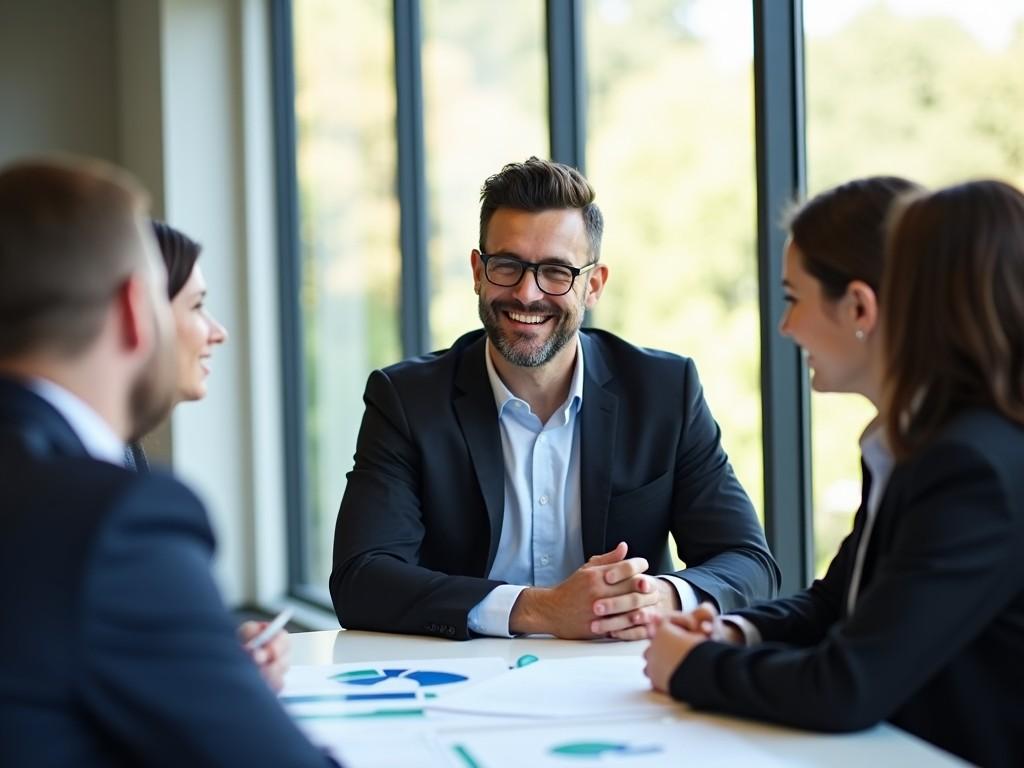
(597, 447)
(860, 529)
(478, 418)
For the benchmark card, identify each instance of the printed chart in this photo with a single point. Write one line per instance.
(383, 689)
(652, 743)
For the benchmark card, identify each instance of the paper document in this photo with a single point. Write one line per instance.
(623, 743)
(378, 746)
(380, 689)
(588, 686)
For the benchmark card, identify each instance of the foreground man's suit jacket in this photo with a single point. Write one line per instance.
(421, 517)
(116, 648)
(935, 643)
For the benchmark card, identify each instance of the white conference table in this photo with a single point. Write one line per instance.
(882, 745)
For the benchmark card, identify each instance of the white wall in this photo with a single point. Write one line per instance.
(218, 165)
(58, 84)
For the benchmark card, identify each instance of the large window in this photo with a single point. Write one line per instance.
(393, 140)
(350, 265)
(689, 117)
(485, 96)
(670, 150)
(924, 89)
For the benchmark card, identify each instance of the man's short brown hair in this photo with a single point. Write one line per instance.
(541, 185)
(69, 231)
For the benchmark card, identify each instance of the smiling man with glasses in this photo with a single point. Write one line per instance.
(528, 479)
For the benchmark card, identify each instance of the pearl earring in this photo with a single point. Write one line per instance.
(859, 334)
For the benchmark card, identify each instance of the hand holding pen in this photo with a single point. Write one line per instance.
(269, 646)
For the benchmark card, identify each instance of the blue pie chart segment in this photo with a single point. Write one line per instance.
(425, 678)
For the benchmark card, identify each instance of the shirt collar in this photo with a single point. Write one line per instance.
(503, 395)
(874, 447)
(97, 437)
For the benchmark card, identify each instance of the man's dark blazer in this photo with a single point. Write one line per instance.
(935, 643)
(116, 648)
(421, 516)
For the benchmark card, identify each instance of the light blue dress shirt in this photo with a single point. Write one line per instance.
(541, 540)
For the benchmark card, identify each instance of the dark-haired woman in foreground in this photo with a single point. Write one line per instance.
(920, 617)
(197, 333)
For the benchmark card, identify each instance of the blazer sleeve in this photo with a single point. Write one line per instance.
(714, 524)
(951, 565)
(377, 582)
(161, 671)
(804, 619)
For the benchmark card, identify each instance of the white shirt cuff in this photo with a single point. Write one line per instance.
(687, 597)
(491, 615)
(751, 634)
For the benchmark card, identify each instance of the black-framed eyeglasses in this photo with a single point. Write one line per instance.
(552, 279)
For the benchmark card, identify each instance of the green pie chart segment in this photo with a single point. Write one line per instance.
(599, 749)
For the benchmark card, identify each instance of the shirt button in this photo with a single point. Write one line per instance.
(543, 499)
(540, 439)
(545, 560)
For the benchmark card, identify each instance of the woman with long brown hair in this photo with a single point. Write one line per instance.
(920, 618)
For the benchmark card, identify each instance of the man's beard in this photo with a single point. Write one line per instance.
(513, 346)
(152, 392)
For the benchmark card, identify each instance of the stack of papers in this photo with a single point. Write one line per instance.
(586, 686)
(479, 713)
